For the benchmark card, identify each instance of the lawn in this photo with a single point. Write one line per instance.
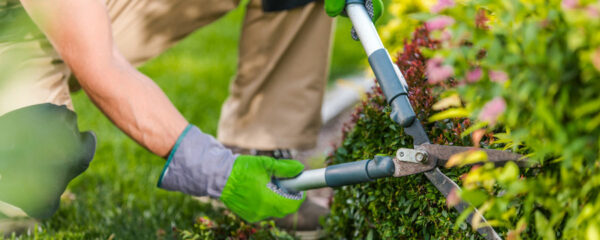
(117, 196)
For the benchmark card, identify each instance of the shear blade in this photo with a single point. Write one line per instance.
(442, 153)
(445, 185)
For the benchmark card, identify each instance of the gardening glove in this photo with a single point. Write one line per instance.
(337, 7)
(41, 151)
(199, 165)
(250, 193)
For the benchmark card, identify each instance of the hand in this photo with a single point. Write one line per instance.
(336, 7)
(250, 193)
(199, 165)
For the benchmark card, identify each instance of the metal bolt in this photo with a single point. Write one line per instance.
(421, 157)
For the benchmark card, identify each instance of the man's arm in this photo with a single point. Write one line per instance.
(80, 31)
(199, 165)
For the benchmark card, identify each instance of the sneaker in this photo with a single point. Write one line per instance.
(14, 221)
(305, 223)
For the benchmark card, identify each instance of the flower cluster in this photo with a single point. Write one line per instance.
(530, 74)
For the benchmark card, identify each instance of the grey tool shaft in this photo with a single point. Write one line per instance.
(365, 29)
(341, 174)
(395, 90)
(388, 75)
(310, 179)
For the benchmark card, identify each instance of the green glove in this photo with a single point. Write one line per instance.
(335, 8)
(250, 193)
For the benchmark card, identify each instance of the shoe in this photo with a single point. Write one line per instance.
(304, 223)
(13, 221)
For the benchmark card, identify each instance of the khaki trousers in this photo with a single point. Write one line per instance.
(275, 98)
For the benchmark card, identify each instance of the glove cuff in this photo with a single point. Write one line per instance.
(198, 165)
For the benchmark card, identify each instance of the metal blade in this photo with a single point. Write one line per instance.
(416, 131)
(445, 186)
(442, 153)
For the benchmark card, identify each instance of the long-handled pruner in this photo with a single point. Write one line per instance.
(424, 158)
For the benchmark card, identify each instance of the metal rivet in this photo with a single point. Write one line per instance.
(420, 157)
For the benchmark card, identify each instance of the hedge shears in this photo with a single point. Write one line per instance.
(423, 158)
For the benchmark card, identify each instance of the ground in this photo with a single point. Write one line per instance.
(117, 196)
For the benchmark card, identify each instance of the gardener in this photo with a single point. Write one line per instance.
(274, 103)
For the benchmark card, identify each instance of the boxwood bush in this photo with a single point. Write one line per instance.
(530, 71)
(408, 207)
(527, 75)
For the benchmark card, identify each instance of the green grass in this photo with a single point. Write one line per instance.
(117, 196)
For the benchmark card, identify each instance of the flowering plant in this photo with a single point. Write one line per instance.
(518, 75)
(528, 72)
(408, 207)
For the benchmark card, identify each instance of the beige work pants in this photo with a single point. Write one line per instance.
(275, 98)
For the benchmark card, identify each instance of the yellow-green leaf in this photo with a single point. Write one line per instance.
(450, 113)
(466, 158)
(451, 101)
(592, 232)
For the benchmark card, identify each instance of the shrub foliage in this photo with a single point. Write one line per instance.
(530, 71)
(407, 207)
(527, 75)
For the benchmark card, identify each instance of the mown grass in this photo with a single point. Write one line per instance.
(117, 197)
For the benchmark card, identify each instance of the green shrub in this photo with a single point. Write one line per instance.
(407, 207)
(528, 72)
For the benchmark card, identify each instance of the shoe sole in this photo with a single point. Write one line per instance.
(13, 220)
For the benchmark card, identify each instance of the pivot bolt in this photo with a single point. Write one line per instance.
(421, 157)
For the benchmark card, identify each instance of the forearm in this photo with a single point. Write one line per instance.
(135, 104)
(80, 32)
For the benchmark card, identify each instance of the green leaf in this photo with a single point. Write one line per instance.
(474, 197)
(422, 16)
(450, 113)
(510, 172)
(587, 108)
(473, 128)
(542, 226)
(592, 232)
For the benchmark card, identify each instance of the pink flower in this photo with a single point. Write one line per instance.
(498, 76)
(436, 72)
(446, 36)
(453, 198)
(474, 75)
(441, 5)
(592, 12)
(596, 59)
(492, 110)
(569, 4)
(439, 23)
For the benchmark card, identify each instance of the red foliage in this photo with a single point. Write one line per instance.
(422, 95)
(412, 63)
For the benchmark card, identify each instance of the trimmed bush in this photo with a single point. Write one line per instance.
(530, 71)
(408, 207)
(527, 75)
